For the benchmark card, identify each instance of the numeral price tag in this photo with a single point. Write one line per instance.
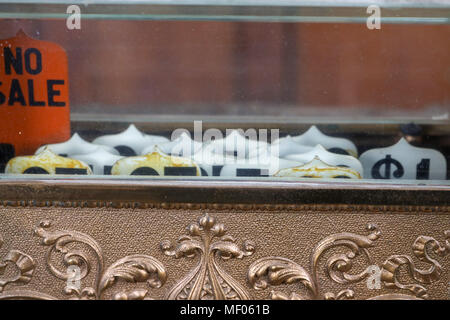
(404, 161)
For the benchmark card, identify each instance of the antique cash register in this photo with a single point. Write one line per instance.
(221, 150)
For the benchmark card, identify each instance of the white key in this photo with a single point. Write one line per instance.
(75, 145)
(281, 148)
(182, 146)
(234, 144)
(211, 163)
(100, 160)
(130, 142)
(332, 159)
(46, 162)
(318, 169)
(156, 163)
(404, 161)
(314, 136)
(260, 166)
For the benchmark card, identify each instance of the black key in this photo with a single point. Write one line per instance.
(70, 171)
(180, 171)
(35, 170)
(144, 171)
(250, 173)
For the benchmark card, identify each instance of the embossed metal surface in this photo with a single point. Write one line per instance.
(231, 252)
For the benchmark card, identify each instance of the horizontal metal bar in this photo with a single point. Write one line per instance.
(296, 12)
(237, 192)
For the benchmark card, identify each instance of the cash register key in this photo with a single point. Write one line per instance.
(130, 142)
(316, 168)
(75, 145)
(47, 162)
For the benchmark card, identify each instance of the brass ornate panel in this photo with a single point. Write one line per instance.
(207, 251)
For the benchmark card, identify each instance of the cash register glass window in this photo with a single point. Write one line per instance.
(347, 91)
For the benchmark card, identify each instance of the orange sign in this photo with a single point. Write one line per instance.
(34, 94)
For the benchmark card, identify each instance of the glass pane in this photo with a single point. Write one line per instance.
(301, 73)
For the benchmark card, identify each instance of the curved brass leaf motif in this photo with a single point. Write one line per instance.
(207, 280)
(344, 294)
(58, 241)
(391, 267)
(395, 296)
(339, 264)
(25, 267)
(25, 295)
(135, 268)
(138, 294)
(276, 270)
(208, 241)
(23, 264)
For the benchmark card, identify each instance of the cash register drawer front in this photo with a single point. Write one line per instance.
(73, 248)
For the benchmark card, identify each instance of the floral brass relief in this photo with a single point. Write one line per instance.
(391, 267)
(134, 268)
(207, 242)
(207, 280)
(275, 271)
(23, 263)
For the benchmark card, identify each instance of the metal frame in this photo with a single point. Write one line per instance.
(285, 11)
(142, 193)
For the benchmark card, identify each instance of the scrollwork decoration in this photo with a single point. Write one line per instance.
(23, 264)
(207, 239)
(134, 268)
(275, 271)
(207, 242)
(391, 267)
